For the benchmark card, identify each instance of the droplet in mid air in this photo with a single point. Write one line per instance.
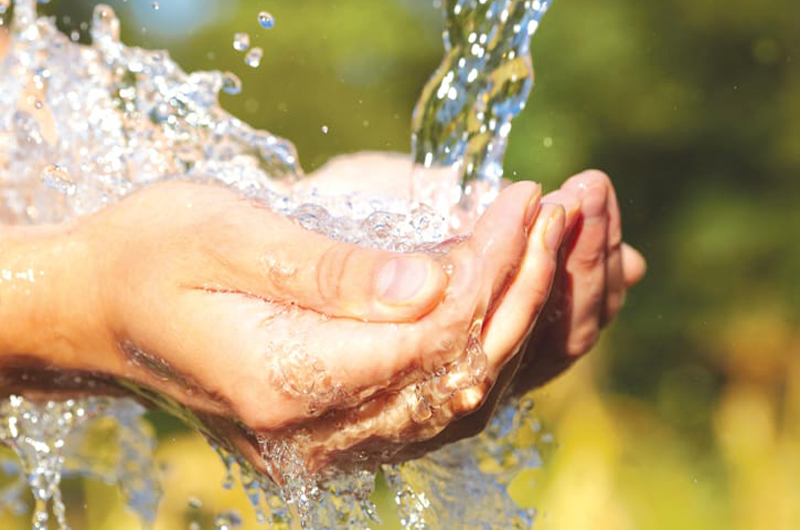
(241, 41)
(266, 20)
(253, 57)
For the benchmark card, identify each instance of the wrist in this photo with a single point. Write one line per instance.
(49, 314)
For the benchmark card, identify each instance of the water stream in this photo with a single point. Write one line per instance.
(83, 126)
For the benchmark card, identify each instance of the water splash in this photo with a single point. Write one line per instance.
(110, 119)
(100, 438)
(465, 485)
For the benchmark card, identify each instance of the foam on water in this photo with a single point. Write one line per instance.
(83, 126)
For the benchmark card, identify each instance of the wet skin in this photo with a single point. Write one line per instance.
(231, 310)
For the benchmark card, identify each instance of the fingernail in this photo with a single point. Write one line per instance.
(566, 199)
(532, 209)
(595, 201)
(555, 229)
(400, 280)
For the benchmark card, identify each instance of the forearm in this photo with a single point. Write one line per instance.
(46, 300)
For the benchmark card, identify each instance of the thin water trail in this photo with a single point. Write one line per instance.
(81, 127)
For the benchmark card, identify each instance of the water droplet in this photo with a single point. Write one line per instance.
(231, 84)
(57, 178)
(266, 20)
(253, 57)
(241, 41)
(324, 129)
(227, 521)
(155, 6)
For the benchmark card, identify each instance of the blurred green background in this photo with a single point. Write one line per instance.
(687, 414)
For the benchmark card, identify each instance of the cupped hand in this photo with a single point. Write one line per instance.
(265, 328)
(593, 269)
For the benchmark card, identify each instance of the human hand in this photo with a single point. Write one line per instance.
(263, 327)
(593, 272)
(595, 267)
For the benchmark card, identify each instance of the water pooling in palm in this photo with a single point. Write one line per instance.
(126, 118)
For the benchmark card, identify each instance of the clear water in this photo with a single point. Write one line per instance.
(463, 117)
(84, 126)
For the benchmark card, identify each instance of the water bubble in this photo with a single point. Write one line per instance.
(57, 178)
(253, 57)
(231, 84)
(324, 129)
(241, 41)
(266, 20)
(227, 521)
(155, 6)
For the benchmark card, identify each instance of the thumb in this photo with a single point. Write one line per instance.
(283, 262)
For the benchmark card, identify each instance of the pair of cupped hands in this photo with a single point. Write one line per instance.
(267, 330)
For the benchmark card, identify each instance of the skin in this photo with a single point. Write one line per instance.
(230, 309)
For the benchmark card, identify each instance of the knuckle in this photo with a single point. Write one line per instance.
(331, 268)
(589, 260)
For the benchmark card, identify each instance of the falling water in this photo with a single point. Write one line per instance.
(83, 126)
(463, 118)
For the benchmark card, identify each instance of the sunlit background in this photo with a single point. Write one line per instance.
(687, 414)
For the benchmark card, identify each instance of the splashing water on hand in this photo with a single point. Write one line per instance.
(111, 119)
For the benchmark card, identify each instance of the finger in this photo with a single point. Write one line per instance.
(272, 257)
(482, 267)
(498, 241)
(586, 262)
(526, 296)
(615, 282)
(570, 200)
(634, 265)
